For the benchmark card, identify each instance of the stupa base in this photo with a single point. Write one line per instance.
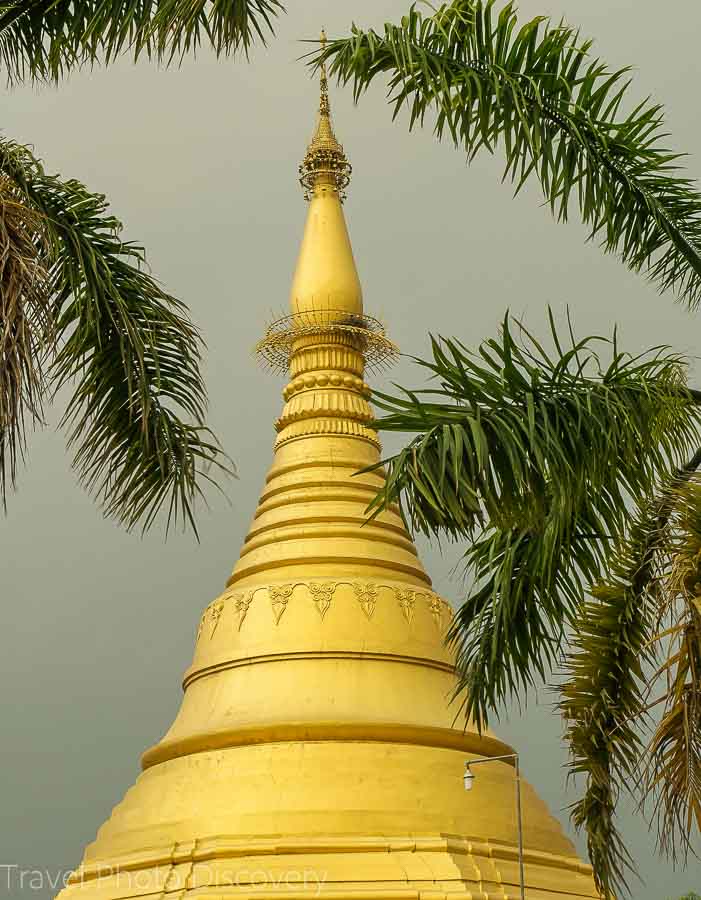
(334, 813)
(396, 868)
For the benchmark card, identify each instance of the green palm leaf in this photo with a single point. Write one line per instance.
(78, 305)
(136, 415)
(44, 39)
(652, 576)
(604, 699)
(26, 327)
(534, 91)
(532, 456)
(673, 774)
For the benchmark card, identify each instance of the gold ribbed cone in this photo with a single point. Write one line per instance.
(315, 753)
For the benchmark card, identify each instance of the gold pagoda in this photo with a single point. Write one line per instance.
(316, 753)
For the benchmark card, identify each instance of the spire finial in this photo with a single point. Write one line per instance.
(324, 105)
(325, 163)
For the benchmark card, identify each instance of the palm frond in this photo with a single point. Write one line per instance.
(44, 39)
(557, 112)
(136, 418)
(605, 699)
(532, 455)
(673, 775)
(26, 328)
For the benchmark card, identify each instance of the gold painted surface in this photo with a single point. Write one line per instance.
(326, 276)
(315, 753)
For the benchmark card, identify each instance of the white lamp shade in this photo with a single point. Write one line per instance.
(468, 779)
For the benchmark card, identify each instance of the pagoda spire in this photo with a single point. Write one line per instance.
(326, 286)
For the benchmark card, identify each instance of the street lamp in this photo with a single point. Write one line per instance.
(469, 780)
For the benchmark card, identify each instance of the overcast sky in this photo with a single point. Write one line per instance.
(200, 164)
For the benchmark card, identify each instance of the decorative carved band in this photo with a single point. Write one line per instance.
(340, 427)
(326, 393)
(336, 404)
(327, 356)
(324, 380)
(322, 594)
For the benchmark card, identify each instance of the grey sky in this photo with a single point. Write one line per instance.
(200, 163)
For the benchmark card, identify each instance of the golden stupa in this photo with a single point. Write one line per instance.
(315, 753)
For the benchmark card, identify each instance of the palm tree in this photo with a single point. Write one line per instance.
(569, 470)
(78, 308)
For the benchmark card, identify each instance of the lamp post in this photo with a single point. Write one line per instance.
(468, 780)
